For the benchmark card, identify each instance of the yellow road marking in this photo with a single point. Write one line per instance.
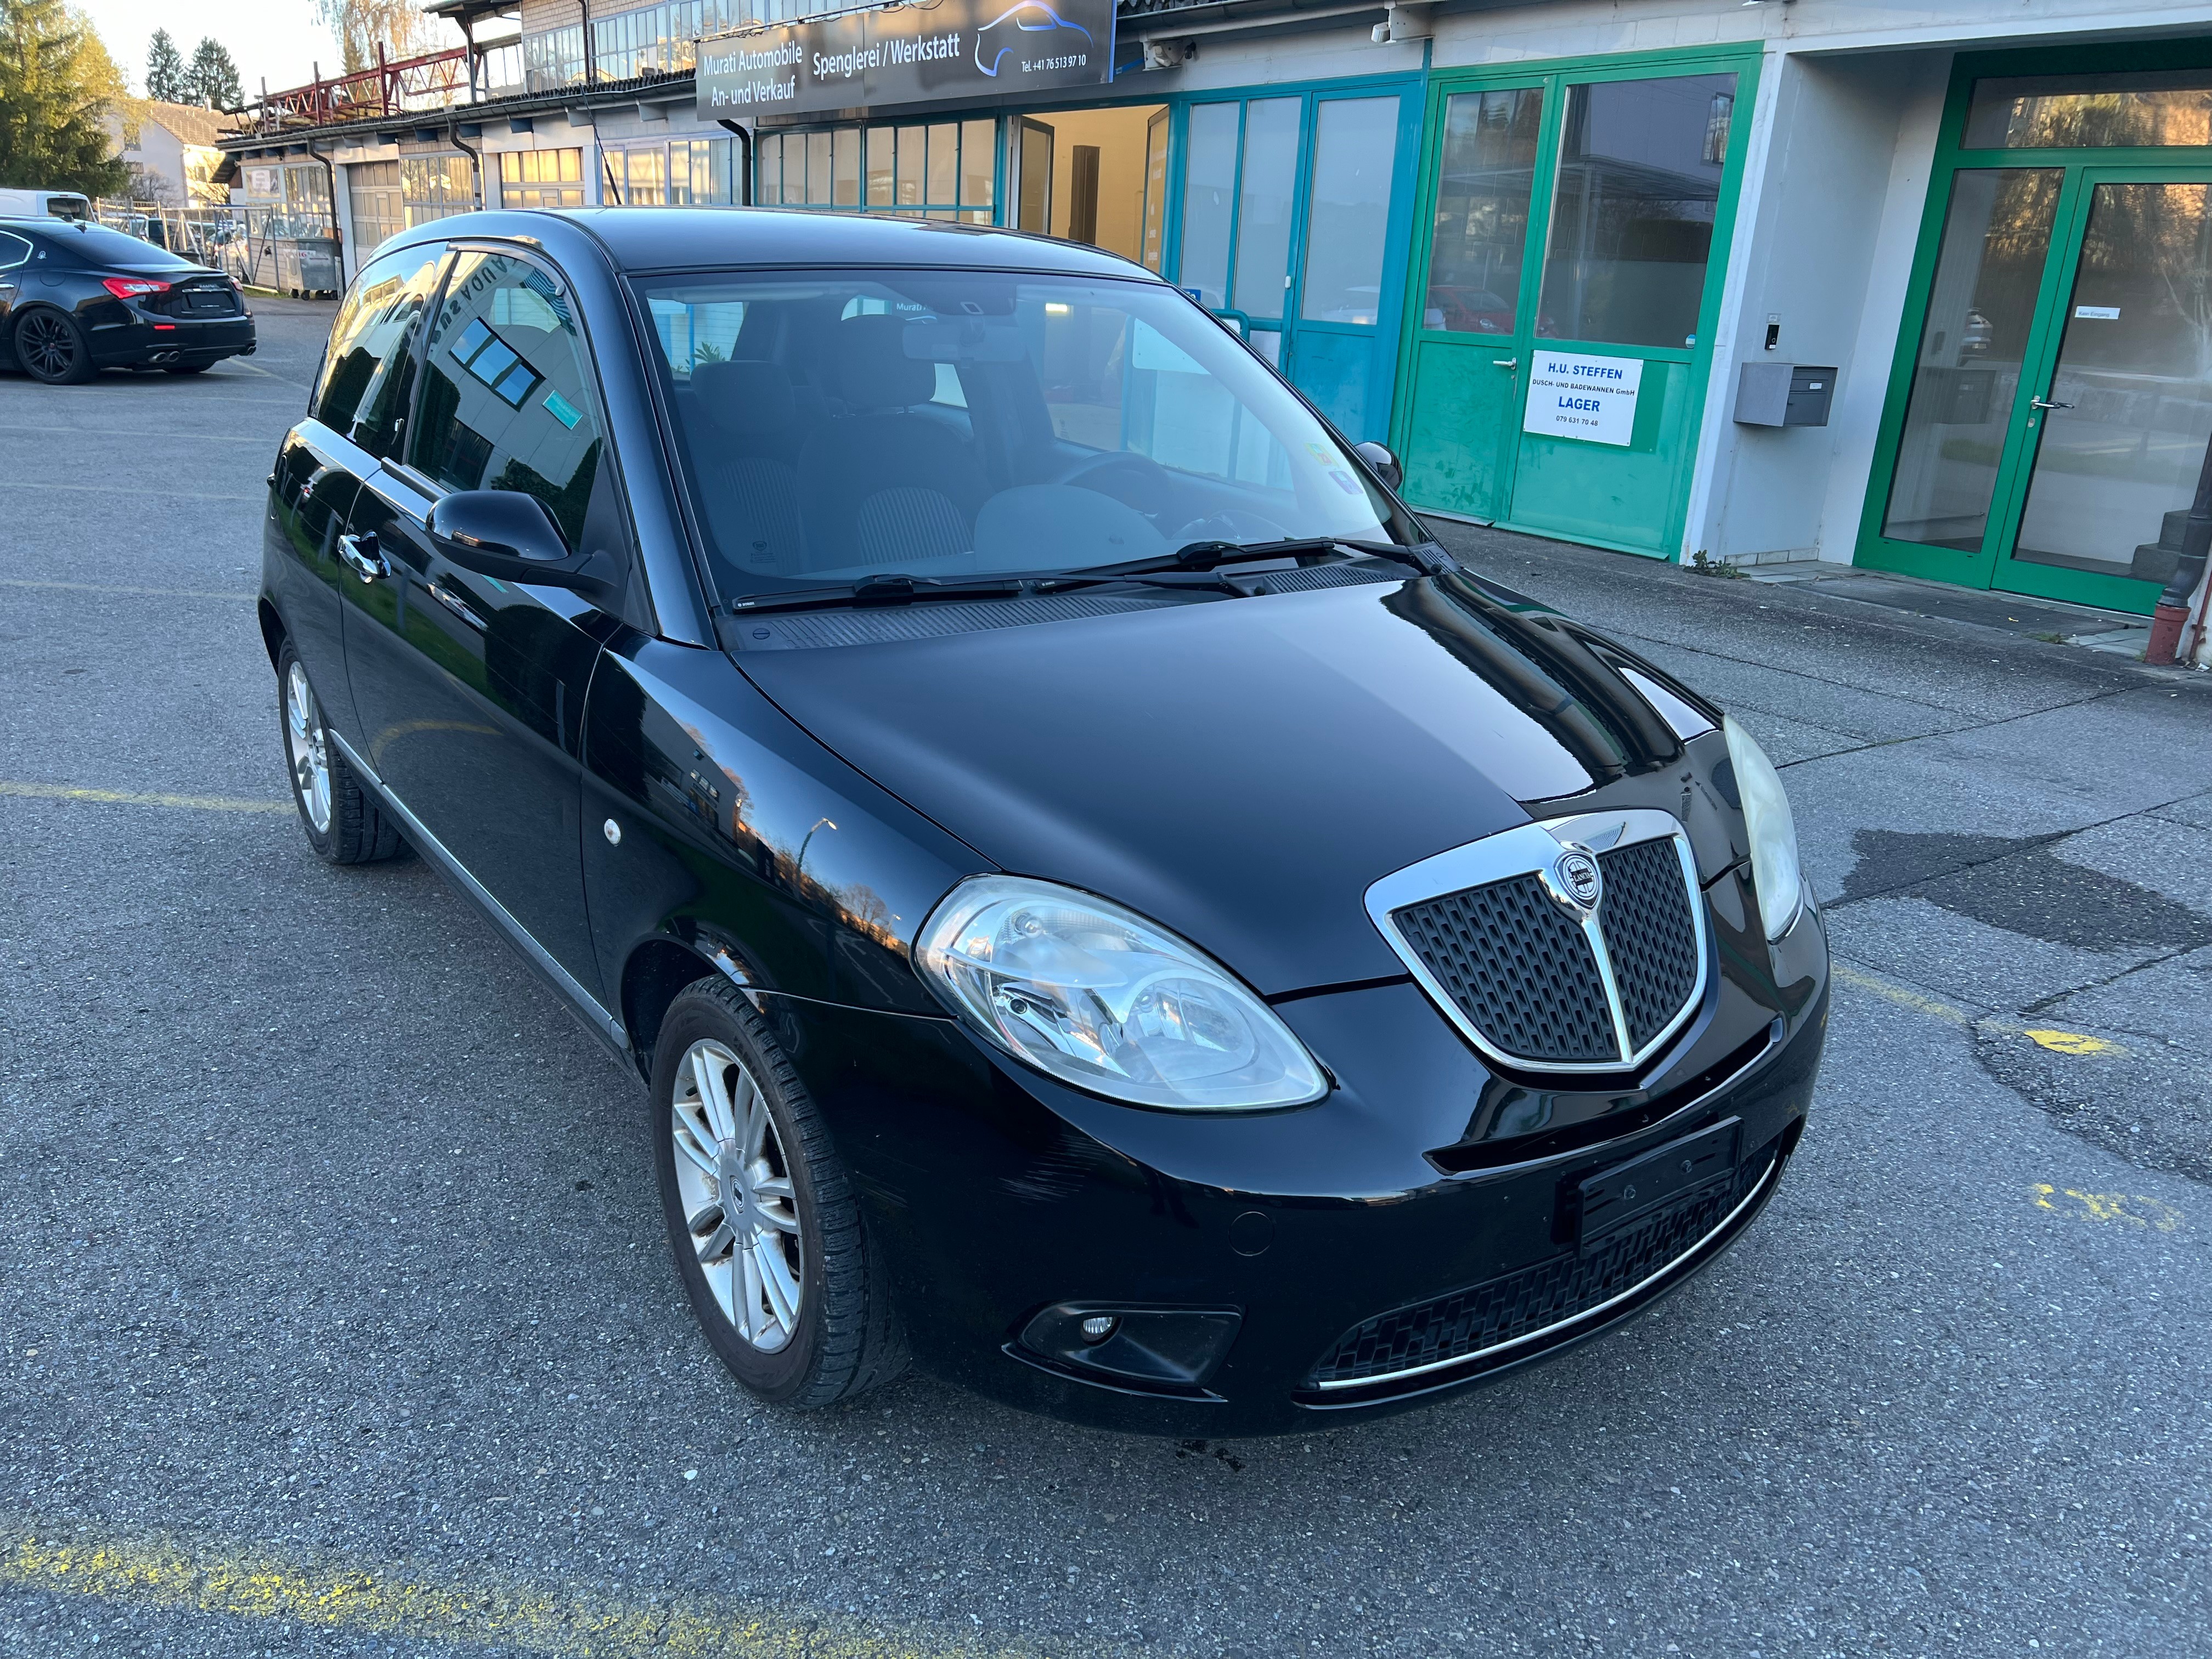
(171, 1573)
(126, 798)
(143, 593)
(2064, 1043)
(2109, 1206)
(2070, 1043)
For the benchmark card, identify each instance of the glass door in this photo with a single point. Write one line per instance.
(2115, 442)
(1290, 227)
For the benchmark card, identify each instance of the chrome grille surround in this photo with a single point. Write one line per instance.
(1531, 850)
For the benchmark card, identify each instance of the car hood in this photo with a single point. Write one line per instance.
(1240, 770)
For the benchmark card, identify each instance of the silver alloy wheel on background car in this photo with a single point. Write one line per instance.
(304, 744)
(737, 1196)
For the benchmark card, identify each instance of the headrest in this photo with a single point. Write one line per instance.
(745, 399)
(874, 371)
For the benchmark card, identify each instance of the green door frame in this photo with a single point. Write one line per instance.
(1555, 75)
(1992, 565)
(1386, 330)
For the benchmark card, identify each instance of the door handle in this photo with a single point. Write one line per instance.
(361, 555)
(1505, 363)
(2039, 403)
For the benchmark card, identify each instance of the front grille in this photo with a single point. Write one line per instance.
(1466, 1323)
(1529, 982)
(1650, 933)
(1518, 966)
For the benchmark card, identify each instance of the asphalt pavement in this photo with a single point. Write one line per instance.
(335, 1315)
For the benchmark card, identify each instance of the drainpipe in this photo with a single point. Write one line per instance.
(745, 142)
(2173, 609)
(338, 234)
(476, 160)
(591, 56)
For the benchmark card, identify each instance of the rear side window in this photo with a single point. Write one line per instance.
(14, 249)
(508, 403)
(368, 367)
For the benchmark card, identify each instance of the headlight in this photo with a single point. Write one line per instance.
(1773, 832)
(1094, 996)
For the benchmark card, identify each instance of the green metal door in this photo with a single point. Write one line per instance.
(2051, 402)
(1559, 335)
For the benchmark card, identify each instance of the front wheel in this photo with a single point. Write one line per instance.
(52, 347)
(343, 822)
(762, 1215)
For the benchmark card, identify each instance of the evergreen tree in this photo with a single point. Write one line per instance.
(214, 77)
(51, 100)
(166, 79)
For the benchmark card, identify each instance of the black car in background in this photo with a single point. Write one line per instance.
(76, 298)
(1101, 902)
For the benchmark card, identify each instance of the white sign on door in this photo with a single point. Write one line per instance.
(1592, 398)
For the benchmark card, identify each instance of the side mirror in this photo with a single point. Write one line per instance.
(1382, 462)
(508, 535)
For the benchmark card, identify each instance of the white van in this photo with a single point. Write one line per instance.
(43, 204)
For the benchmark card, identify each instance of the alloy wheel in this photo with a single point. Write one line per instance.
(738, 1201)
(304, 742)
(46, 345)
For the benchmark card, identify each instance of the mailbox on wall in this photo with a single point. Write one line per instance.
(1783, 394)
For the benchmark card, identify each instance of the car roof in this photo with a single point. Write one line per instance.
(688, 238)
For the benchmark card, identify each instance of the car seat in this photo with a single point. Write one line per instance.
(883, 485)
(743, 456)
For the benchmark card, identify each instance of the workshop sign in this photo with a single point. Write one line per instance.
(956, 50)
(1592, 398)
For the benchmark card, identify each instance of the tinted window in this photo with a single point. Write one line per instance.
(508, 404)
(96, 244)
(14, 249)
(374, 326)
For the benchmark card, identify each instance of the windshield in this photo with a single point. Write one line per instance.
(838, 425)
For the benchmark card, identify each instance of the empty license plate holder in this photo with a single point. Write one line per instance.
(1620, 1197)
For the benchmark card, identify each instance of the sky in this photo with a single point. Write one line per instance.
(280, 41)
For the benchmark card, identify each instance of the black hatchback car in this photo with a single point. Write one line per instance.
(76, 298)
(1101, 902)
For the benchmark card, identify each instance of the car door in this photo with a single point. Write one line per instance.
(320, 467)
(470, 689)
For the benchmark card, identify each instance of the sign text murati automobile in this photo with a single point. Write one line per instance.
(957, 50)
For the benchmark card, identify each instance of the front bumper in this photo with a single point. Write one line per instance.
(1002, 1204)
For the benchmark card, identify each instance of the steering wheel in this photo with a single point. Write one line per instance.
(1146, 483)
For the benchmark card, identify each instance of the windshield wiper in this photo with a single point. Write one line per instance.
(893, 589)
(1428, 558)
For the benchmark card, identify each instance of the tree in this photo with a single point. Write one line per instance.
(56, 77)
(214, 77)
(166, 78)
(362, 25)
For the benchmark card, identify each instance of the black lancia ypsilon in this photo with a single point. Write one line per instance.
(1101, 902)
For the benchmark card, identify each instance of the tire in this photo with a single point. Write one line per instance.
(50, 346)
(352, 828)
(186, 368)
(843, 1337)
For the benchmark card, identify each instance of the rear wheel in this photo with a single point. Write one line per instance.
(52, 348)
(762, 1215)
(344, 823)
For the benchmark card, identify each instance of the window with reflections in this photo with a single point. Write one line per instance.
(2146, 108)
(1485, 172)
(942, 170)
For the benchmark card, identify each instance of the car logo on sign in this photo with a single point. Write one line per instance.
(1575, 880)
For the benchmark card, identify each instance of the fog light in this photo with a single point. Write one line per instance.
(1167, 1348)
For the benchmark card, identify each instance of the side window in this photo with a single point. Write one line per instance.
(385, 300)
(13, 251)
(508, 404)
